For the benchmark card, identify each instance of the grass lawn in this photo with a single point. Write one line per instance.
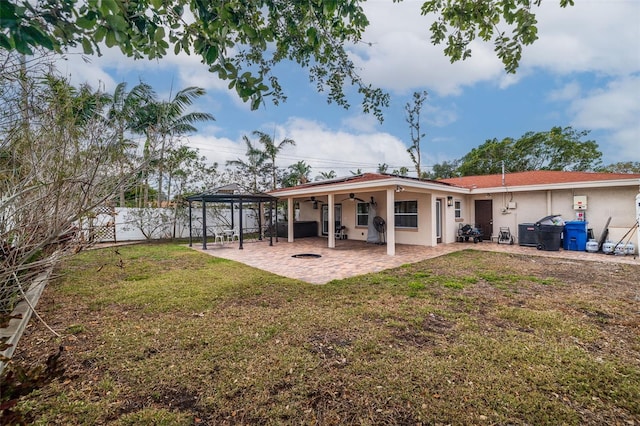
(161, 334)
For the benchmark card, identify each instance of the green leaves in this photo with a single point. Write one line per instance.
(459, 22)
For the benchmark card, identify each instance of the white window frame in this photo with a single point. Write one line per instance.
(457, 208)
(364, 216)
(398, 215)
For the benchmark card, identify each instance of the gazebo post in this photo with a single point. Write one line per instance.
(240, 220)
(270, 223)
(190, 237)
(259, 220)
(232, 218)
(204, 224)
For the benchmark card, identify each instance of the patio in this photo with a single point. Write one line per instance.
(351, 257)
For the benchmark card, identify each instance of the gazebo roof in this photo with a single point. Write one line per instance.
(231, 194)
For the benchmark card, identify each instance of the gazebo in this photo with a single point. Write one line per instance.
(231, 194)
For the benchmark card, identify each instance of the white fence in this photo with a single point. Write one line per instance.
(132, 224)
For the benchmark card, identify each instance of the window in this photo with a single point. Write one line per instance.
(406, 214)
(362, 214)
(458, 208)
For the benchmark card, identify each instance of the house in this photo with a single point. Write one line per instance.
(428, 212)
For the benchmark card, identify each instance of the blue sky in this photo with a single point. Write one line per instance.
(584, 72)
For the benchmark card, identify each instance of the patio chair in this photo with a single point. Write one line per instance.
(218, 234)
(232, 234)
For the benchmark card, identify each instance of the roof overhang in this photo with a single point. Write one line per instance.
(558, 186)
(383, 184)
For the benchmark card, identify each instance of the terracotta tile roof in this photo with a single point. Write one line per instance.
(539, 177)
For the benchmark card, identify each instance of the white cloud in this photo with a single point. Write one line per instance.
(599, 36)
(566, 93)
(614, 109)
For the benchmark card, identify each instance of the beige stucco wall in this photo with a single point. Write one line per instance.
(602, 203)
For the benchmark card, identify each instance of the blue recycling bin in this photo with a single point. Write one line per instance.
(575, 236)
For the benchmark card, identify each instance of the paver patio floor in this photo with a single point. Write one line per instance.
(350, 258)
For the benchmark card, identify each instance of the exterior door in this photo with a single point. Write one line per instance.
(439, 220)
(325, 217)
(484, 218)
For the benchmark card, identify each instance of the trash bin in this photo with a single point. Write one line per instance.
(575, 236)
(549, 230)
(527, 235)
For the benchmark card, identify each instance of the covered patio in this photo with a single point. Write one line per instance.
(351, 258)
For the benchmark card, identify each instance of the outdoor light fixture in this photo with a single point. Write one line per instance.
(449, 200)
(399, 188)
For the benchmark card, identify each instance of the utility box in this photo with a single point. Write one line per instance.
(527, 235)
(579, 202)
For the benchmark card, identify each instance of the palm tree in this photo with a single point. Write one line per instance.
(298, 173)
(254, 167)
(271, 150)
(162, 121)
(122, 116)
(382, 168)
(331, 174)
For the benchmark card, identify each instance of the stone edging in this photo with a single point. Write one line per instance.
(23, 313)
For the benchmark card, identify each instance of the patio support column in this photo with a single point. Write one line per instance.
(549, 206)
(290, 219)
(391, 222)
(332, 222)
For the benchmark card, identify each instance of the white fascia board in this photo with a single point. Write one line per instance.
(372, 185)
(556, 186)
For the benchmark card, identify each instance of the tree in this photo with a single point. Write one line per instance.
(402, 171)
(255, 168)
(243, 41)
(460, 22)
(331, 174)
(121, 113)
(444, 170)
(56, 169)
(413, 119)
(382, 168)
(623, 167)
(271, 150)
(556, 149)
(164, 121)
(298, 174)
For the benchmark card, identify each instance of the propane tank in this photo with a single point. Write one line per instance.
(592, 246)
(607, 247)
(630, 249)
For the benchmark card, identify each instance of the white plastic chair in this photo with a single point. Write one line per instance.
(233, 234)
(218, 235)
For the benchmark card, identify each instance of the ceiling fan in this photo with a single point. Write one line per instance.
(352, 197)
(315, 202)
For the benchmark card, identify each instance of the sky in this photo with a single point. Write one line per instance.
(583, 72)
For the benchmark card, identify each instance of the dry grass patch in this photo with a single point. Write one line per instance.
(177, 337)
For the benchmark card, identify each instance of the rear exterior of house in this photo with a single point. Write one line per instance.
(424, 212)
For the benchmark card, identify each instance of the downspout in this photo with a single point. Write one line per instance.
(549, 206)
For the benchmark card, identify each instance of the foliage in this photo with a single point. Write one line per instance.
(56, 167)
(240, 41)
(271, 151)
(244, 41)
(253, 173)
(413, 119)
(460, 22)
(623, 167)
(444, 170)
(331, 174)
(556, 149)
(297, 173)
